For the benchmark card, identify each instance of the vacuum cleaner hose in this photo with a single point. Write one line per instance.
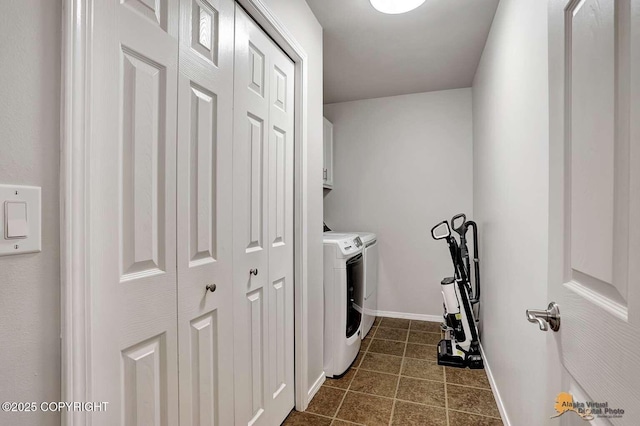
(476, 262)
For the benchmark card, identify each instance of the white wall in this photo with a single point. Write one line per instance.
(303, 25)
(402, 164)
(511, 166)
(29, 155)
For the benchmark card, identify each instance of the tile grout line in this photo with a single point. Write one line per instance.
(391, 398)
(412, 377)
(434, 347)
(421, 331)
(331, 418)
(408, 401)
(406, 377)
(402, 400)
(472, 387)
(395, 395)
(475, 414)
(446, 395)
(324, 416)
(335, 415)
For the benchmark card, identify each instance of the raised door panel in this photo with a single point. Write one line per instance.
(278, 202)
(256, 68)
(255, 301)
(203, 181)
(254, 186)
(205, 25)
(143, 151)
(278, 377)
(596, 166)
(593, 141)
(204, 203)
(132, 212)
(204, 372)
(155, 11)
(144, 383)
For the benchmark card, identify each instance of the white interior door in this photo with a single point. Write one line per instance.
(595, 201)
(134, 348)
(263, 227)
(205, 116)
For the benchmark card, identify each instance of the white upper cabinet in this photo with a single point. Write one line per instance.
(327, 166)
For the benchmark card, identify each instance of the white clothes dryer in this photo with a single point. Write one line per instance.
(367, 304)
(343, 275)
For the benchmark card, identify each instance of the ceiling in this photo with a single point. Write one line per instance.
(368, 54)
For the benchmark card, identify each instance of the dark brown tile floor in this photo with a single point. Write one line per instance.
(396, 381)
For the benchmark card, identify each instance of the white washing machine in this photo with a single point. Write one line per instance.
(367, 304)
(343, 278)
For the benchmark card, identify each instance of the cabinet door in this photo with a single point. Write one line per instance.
(205, 114)
(328, 154)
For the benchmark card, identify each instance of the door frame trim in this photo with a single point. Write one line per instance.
(75, 128)
(75, 335)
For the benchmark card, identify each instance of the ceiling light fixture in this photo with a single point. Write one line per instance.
(394, 7)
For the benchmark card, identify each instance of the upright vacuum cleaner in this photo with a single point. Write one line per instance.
(461, 345)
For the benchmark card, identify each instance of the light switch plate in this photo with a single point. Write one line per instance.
(31, 196)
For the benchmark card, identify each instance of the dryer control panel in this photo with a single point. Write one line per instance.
(347, 244)
(358, 242)
(350, 245)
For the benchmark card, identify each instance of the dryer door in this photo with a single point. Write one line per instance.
(355, 284)
(371, 271)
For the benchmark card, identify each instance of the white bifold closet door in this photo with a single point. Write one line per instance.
(185, 194)
(133, 360)
(205, 216)
(263, 227)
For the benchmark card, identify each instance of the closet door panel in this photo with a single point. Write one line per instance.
(204, 196)
(132, 213)
(263, 227)
(250, 184)
(280, 208)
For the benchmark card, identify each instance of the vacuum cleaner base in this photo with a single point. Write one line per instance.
(446, 357)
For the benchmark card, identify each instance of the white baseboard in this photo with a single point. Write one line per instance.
(404, 315)
(316, 387)
(494, 388)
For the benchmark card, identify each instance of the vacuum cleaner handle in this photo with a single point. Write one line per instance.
(462, 229)
(461, 226)
(441, 231)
